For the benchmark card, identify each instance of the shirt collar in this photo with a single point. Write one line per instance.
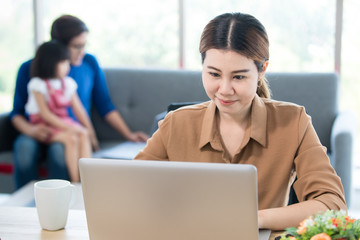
(258, 121)
(257, 129)
(209, 129)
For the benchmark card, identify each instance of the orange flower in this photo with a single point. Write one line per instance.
(348, 219)
(302, 227)
(335, 222)
(320, 236)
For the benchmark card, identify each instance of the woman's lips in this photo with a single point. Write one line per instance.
(226, 102)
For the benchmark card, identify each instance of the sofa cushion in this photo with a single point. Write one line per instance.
(141, 94)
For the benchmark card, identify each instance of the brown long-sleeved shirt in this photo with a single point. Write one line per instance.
(281, 142)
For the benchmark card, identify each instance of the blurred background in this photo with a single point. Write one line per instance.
(305, 36)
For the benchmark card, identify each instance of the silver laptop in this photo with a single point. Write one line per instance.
(137, 200)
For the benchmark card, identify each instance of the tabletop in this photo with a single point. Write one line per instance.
(23, 223)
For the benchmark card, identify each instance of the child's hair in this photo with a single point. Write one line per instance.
(48, 55)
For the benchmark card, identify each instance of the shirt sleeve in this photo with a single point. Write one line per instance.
(71, 87)
(21, 93)
(316, 178)
(38, 85)
(100, 95)
(155, 148)
(35, 85)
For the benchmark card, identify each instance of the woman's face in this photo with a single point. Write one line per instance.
(230, 80)
(77, 48)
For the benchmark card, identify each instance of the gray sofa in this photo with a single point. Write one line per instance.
(140, 94)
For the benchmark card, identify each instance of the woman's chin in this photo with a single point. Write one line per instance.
(76, 63)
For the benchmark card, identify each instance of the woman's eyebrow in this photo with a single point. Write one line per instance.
(236, 71)
(241, 71)
(214, 68)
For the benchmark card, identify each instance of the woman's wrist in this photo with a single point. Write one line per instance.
(130, 136)
(260, 219)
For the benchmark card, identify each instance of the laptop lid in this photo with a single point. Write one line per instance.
(138, 200)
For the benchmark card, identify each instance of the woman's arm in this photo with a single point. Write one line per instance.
(317, 187)
(289, 216)
(116, 121)
(102, 101)
(38, 131)
(84, 119)
(21, 92)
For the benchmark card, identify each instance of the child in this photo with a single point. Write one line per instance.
(51, 92)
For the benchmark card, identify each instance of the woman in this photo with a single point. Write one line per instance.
(242, 125)
(92, 89)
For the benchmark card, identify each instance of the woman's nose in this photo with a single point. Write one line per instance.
(226, 87)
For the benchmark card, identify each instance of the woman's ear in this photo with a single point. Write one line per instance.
(264, 68)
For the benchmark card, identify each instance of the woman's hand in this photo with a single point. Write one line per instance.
(137, 137)
(289, 216)
(117, 122)
(40, 132)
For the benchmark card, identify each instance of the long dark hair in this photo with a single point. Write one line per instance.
(48, 55)
(243, 34)
(66, 27)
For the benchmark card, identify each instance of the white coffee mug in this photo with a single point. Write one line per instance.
(52, 199)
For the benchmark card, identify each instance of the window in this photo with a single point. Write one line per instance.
(16, 45)
(138, 33)
(301, 33)
(350, 82)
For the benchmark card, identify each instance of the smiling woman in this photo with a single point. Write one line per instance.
(230, 80)
(241, 125)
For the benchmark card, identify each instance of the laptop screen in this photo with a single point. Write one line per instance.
(136, 199)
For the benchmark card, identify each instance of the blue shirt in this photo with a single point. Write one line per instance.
(92, 88)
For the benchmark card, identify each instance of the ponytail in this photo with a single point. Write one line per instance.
(263, 88)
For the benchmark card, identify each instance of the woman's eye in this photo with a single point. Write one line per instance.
(214, 74)
(238, 77)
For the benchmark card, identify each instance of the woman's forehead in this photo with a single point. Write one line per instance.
(227, 59)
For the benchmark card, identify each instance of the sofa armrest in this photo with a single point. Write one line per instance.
(7, 132)
(342, 148)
